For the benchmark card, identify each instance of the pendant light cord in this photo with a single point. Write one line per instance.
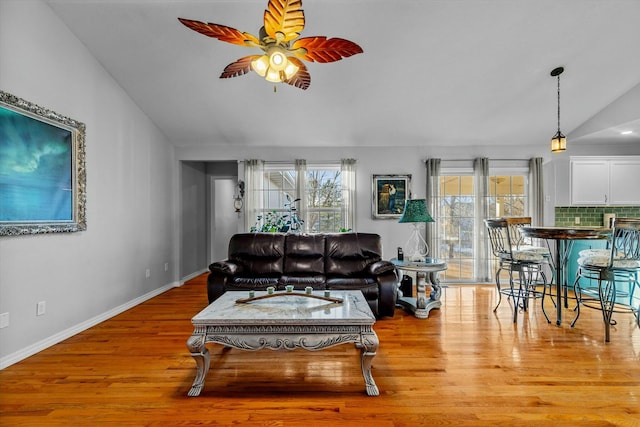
(558, 103)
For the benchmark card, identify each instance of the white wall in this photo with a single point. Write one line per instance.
(131, 208)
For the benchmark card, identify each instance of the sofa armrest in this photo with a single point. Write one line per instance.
(380, 267)
(225, 267)
(220, 272)
(388, 288)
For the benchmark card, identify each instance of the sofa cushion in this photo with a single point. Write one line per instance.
(368, 286)
(304, 254)
(258, 254)
(350, 282)
(301, 282)
(252, 283)
(349, 254)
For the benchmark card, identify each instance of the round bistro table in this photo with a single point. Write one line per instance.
(564, 238)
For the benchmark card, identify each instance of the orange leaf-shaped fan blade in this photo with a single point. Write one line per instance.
(321, 49)
(284, 16)
(221, 32)
(241, 67)
(301, 79)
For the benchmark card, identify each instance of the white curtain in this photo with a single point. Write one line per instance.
(433, 204)
(481, 242)
(301, 192)
(536, 191)
(254, 183)
(348, 171)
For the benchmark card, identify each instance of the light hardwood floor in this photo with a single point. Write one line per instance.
(463, 366)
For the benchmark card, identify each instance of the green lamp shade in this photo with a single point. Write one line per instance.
(415, 210)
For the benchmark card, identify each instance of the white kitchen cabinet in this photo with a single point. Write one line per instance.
(624, 182)
(589, 182)
(605, 181)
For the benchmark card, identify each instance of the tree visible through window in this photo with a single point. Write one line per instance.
(320, 204)
(457, 204)
(324, 199)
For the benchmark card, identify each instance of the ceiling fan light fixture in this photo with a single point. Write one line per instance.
(290, 70)
(277, 59)
(260, 65)
(274, 66)
(274, 76)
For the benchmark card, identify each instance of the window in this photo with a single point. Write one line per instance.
(316, 193)
(508, 196)
(324, 199)
(456, 222)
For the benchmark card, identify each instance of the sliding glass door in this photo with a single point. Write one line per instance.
(456, 222)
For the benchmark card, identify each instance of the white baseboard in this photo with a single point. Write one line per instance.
(192, 276)
(63, 335)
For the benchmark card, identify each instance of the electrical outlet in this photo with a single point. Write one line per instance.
(166, 266)
(147, 273)
(41, 308)
(4, 320)
(577, 220)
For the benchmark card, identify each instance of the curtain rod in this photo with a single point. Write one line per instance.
(470, 160)
(288, 162)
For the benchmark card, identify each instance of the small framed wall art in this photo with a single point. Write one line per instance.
(42, 170)
(389, 195)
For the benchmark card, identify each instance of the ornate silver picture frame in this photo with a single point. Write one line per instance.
(42, 170)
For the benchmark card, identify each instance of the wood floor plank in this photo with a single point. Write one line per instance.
(463, 366)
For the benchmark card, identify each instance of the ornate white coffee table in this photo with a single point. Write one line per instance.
(284, 322)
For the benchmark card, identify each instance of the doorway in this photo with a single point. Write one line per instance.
(208, 218)
(223, 221)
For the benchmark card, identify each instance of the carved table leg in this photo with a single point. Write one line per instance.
(369, 347)
(421, 290)
(436, 289)
(196, 345)
(424, 305)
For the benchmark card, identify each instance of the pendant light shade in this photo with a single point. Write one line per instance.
(559, 141)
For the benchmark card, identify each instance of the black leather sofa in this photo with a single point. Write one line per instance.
(341, 261)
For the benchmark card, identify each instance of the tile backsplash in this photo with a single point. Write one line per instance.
(592, 215)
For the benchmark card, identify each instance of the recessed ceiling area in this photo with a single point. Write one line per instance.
(433, 72)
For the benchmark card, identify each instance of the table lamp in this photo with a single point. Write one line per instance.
(415, 212)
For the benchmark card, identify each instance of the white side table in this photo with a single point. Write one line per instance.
(426, 274)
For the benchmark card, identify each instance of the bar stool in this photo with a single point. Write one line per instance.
(621, 265)
(523, 243)
(528, 264)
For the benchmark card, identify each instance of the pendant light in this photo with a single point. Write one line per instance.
(559, 141)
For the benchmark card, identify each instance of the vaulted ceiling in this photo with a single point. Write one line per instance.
(433, 72)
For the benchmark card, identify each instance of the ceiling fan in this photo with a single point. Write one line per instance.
(278, 39)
